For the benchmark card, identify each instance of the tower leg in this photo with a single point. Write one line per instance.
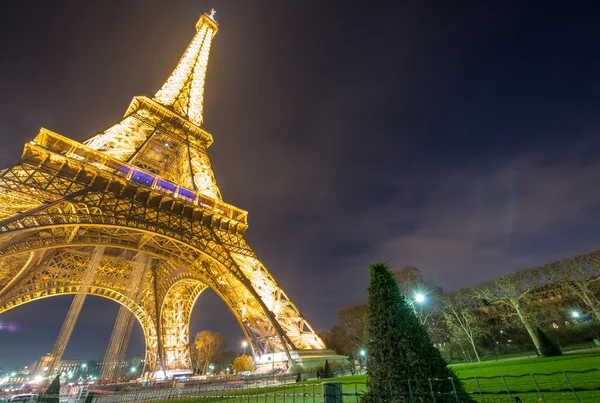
(175, 322)
(74, 311)
(112, 367)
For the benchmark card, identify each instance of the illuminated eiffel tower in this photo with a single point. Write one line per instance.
(134, 214)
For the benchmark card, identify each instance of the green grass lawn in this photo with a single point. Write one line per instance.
(517, 373)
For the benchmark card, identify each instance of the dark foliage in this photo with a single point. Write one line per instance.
(547, 347)
(51, 394)
(327, 372)
(399, 349)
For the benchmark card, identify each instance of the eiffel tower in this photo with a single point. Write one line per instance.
(134, 214)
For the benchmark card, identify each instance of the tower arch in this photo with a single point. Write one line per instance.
(145, 185)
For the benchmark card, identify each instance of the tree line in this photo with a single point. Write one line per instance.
(512, 311)
(208, 348)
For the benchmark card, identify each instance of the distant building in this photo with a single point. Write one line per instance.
(76, 370)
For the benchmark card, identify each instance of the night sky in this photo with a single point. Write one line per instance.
(459, 137)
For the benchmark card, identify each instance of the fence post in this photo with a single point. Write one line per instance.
(479, 388)
(506, 386)
(332, 392)
(538, 389)
(454, 389)
(431, 389)
(571, 386)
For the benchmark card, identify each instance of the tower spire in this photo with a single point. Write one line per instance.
(164, 135)
(184, 89)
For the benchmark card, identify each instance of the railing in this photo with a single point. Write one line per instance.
(555, 387)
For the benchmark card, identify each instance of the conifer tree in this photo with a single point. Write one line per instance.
(327, 373)
(51, 395)
(547, 347)
(399, 349)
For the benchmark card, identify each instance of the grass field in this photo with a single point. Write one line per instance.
(517, 374)
(484, 381)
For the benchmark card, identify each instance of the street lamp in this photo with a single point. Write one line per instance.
(420, 298)
(244, 344)
(133, 369)
(575, 314)
(361, 357)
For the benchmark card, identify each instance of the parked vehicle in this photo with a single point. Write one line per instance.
(24, 398)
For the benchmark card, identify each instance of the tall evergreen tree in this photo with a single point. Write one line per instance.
(400, 356)
(547, 347)
(51, 395)
(327, 373)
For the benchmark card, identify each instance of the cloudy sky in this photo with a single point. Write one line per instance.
(459, 137)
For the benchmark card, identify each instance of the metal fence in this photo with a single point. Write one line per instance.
(556, 387)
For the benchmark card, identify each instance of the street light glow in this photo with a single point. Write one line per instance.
(362, 353)
(133, 369)
(420, 298)
(575, 314)
(244, 343)
(83, 365)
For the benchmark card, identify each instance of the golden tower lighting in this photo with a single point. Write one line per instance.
(143, 187)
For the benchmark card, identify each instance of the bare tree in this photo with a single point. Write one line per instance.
(580, 275)
(462, 319)
(409, 279)
(195, 357)
(411, 283)
(354, 320)
(513, 293)
(208, 343)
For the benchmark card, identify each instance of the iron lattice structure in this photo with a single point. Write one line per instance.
(144, 186)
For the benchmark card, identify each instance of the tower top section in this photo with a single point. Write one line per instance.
(184, 89)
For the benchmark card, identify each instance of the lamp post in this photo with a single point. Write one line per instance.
(419, 298)
(244, 344)
(362, 354)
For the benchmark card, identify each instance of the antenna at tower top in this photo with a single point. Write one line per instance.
(212, 13)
